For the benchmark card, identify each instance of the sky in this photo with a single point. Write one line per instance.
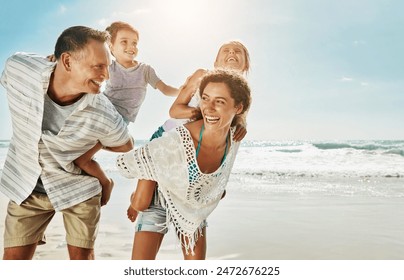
(320, 69)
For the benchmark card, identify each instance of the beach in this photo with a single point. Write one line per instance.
(272, 212)
(254, 226)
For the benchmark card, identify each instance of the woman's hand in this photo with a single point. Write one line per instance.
(132, 214)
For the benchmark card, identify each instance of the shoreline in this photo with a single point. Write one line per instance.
(257, 226)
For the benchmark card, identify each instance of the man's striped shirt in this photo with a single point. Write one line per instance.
(33, 152)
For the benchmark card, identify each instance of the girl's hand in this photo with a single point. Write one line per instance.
(194, 80)
(51, 58)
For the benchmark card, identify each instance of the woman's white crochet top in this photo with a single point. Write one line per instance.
(189, 195)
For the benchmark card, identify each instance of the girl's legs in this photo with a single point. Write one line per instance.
(91, 167)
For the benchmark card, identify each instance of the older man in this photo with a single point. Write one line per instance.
(57, 115)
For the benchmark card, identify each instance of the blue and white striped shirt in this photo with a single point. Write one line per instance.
(33, 152)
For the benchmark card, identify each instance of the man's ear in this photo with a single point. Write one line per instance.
(66, 60)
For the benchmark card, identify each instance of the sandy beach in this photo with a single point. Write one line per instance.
(258, 226)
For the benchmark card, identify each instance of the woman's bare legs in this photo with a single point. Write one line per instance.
(199, 249)
(146, 245)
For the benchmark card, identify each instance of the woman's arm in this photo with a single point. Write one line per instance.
(132, 164)
(123, 148)
(141, 198)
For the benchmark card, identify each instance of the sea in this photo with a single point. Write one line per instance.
(342, 168)
(296, 199)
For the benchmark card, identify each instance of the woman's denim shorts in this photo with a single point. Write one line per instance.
(154, 219)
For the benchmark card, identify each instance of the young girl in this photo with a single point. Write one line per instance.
(191, 164)
(126, 89)
(231, 55)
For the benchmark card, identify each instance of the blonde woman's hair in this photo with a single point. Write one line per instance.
(246, 54)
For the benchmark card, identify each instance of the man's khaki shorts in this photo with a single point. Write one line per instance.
(26, 223)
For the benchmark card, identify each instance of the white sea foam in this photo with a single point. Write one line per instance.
(305, 159)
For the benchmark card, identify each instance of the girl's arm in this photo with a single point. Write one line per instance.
(180, 108)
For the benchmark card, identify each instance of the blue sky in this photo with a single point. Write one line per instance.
(321, 69)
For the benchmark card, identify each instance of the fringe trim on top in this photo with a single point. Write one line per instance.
(186, 240)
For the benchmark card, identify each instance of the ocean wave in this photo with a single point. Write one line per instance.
(331, 146)
(267, 174)
(266, 143)
(390, 147)
(395, 152)
(289, 150)
(393, 147)
(371, 187)
(4, 144)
